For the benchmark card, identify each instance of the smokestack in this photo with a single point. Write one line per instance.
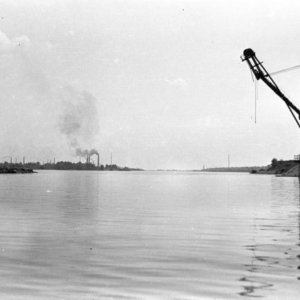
(98, 160)
(88, 158)
(23, 160)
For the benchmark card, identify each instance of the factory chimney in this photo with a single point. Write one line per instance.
(98, 160)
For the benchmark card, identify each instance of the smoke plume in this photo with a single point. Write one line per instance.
(47, 104)
(79, 121)
(84, 153)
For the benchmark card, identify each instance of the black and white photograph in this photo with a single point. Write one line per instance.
(149, 149)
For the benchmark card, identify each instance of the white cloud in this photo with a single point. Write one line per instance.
(211, 122)
(179, 82)
(49, 45)
(8, 45)
(5, 42)
(22, 41)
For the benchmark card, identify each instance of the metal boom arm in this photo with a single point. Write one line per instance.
(261, 73)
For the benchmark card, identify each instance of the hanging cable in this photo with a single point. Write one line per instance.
(285, 70)
(252, 76)
(255, 101)
(260, 72)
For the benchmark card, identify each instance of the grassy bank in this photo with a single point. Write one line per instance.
(281, 168)
(290, 168)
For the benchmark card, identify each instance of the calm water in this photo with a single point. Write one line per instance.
(113, 235)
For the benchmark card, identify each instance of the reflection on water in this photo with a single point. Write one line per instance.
(143, 235)
(252, 284)
(264, 260)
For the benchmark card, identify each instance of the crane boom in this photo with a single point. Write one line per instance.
(260, 72)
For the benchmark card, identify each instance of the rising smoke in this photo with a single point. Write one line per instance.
(86, 152)
(79, 121)
(67, 109)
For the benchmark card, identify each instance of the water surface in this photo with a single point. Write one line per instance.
(149, 235)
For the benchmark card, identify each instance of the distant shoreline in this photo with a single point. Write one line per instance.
(287, 168)
(282, 168)
(12, 168)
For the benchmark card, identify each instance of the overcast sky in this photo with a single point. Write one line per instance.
(160, 84)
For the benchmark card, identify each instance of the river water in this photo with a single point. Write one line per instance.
(149, 235)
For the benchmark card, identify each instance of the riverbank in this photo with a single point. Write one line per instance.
(284, 168)
(7, 170)
(61, 165)
(235, 169)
